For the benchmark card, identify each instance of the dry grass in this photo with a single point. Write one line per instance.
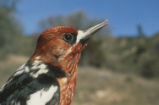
(100, 87)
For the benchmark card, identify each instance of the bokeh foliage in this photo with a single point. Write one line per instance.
(12, 38)
(139, 55)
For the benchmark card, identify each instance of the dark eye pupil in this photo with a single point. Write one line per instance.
(68, 37)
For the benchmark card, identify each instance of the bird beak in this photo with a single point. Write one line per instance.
(83, 36)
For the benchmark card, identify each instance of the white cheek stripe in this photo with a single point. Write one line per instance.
(81, 35)
(42, 97)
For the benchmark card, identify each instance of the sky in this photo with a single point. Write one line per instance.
(123, 15)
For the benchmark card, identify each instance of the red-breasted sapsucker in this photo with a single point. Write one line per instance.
(49, 76)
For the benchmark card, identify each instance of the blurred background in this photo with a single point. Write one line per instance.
(120, 65)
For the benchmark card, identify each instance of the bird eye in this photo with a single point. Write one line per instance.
(70, 38)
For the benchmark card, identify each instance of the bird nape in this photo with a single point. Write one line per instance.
(49, 76)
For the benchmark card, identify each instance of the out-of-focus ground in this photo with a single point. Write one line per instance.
(100, 87)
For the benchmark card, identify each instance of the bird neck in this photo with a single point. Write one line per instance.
(68, 83)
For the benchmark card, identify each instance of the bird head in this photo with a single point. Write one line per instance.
(62, 46)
